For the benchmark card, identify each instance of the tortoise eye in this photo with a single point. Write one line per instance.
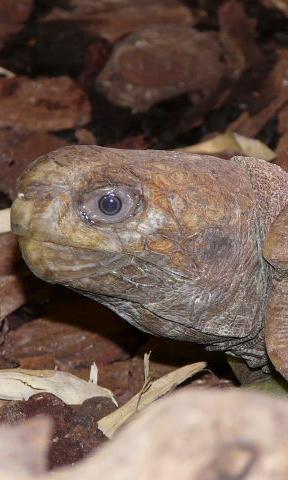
(108, 204)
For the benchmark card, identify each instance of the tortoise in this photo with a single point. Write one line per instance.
(190, 247)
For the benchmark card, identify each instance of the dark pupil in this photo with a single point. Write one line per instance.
(110, 204)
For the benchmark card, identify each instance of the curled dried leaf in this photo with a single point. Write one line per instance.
(233, 143)
(5, 226)
(20, 384)
(149, 393)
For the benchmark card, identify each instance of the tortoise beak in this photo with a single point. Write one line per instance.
(21, 215)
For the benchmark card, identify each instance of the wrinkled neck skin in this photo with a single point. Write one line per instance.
(270, 186)
(188, 265)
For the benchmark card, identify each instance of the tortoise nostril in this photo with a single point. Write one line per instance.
(17, 229)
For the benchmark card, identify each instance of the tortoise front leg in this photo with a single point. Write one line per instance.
(256, 379)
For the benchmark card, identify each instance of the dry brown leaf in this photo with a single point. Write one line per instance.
(113, 20)
(150, 392)
(238, 34)
(10, 254)
(19, 147)
(235, 143)
(12, 293)
(20, 384)
(43, 103)
(264, 99)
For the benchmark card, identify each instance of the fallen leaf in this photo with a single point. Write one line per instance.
(10, 254)
(263, 99)
(150, 392)
(18, 288)
(64, 337)
(5, 226)
(6, 73)
(279, 4)
(13, 16)
(233, 143)
(19, 147)
(238, 33)
(114, 20)
(20, 384)
(146, 367)
(43, 104)
(12, 293)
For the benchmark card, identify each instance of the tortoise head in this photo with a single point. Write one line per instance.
(168, 240)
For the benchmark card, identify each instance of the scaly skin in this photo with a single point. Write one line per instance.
(187, 262)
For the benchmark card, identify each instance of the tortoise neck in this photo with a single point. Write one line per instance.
(270, 185)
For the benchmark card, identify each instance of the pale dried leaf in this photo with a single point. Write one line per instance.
(233, 142)
(6, 73)
(5, 226)
(280, 4)
(254, 148)
(93, 378)
(109, 424)
(20, 384)
(146, 367)
(147, 378)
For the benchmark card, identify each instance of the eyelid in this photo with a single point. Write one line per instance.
(89, 212)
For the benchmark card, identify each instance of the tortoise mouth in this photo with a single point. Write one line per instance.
(96, 270)
(57, 263)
